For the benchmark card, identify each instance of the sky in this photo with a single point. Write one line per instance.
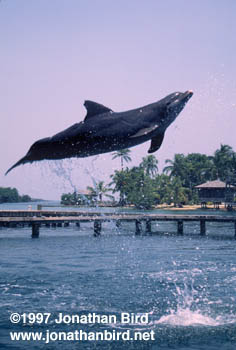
(124, 54)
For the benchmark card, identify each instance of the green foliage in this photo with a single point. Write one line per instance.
(120, 180)
(74, 199)
(162, 185)
(93, 195)
(99, 190)
(11, 195)
(143, 187)
(25, 198)
(149, 164)
(225, 162)
(139, 188)
(69, 198)
(124, 155)
(178, 192)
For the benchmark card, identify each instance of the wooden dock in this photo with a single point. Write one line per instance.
(40, 218)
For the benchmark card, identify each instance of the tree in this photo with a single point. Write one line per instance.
(25, 198)
(135, 187)
(149, 164)
(178, 192)
(71, 199)
(199, 168)
(120, 179)
(143, 187)
(162, 185)
(191, 170)
(11, 195)
(224, 160)
(124, 156)
(176, 167)
(139, 188)
(100, 190)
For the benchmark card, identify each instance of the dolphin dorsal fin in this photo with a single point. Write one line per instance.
(94, 108)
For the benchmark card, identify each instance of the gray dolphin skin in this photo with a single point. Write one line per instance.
(105, 131)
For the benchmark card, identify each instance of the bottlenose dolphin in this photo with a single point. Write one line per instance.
(105, 131)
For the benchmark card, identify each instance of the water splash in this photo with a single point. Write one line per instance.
(186, 317)
(189, 313)
(68, 171)
(192, 307)
(64, 169)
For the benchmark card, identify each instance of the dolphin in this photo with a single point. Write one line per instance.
(106, 131)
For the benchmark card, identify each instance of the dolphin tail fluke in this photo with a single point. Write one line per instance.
(21, 161)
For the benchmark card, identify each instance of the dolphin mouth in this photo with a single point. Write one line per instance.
(180, 99)
(183, 98)
(188, 94)
(177, 104)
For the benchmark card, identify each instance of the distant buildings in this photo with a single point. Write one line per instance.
(216, 192)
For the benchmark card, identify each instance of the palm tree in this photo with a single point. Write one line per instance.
(149, 164)
(178, 192)
(119, 179)
(100, 190)
(224, 159)
(123, 154)
(176, 167)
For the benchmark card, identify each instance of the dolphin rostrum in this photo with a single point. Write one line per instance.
(105, 131)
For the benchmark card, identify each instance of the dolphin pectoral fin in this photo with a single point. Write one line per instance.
(94, 108)
(145, 131)
(156, 143)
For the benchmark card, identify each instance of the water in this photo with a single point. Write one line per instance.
(185, 286)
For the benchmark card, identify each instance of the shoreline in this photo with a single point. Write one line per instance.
(159, 206)
(189, 207)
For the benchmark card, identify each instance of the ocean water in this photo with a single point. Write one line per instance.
(181, 290)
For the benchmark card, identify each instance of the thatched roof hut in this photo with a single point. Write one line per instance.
(215, 191)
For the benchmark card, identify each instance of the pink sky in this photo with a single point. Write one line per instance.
(123, 54)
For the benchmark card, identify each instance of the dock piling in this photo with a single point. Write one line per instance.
(118, 223)
(97, 227)
(35, 230)
(148, 226)
(202, 227)
(180, 226)
(138, 227)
